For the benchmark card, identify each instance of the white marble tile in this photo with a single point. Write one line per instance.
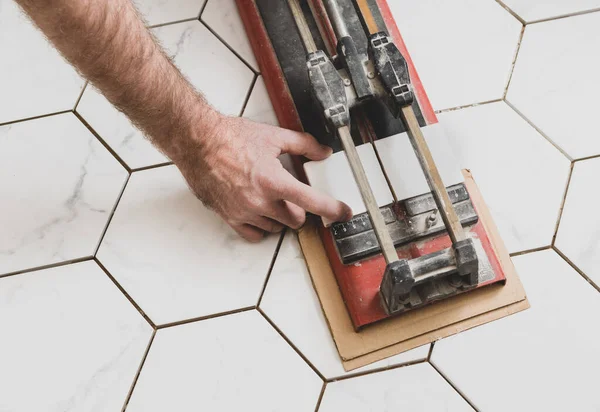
(542, 359)
(223, 17)
(292, 304)
(522, 177)
(413, 388)
(530, 10)
(555, 82)
(462, 49)
(34, 78)
(402, 166)
(71, 341)
(231, 363)
(334, 177)
(579, 235)
(208, 64)
(167, 11)
(177, 259)
(59, 186)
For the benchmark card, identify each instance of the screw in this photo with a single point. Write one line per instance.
(371, 75)
(347, 82)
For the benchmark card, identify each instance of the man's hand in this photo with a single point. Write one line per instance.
(235, 171)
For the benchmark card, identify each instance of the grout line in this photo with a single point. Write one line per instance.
(139, 371)
(204, 6)
(124, 292)
(101, 140)
(231, 49)
(538, 130)
(430, 351)
(471, 404)
(576, 268)
(112, 214)
(562, 204)
(514, 62)
(48, 266)
(248, 95)
(321, 397)
(170, 23)
(309, 363)
(564, 16)
(528, 251)
(80, 95)
(156, 166)
(466, 106)
(207, 317)
(511, 12)
(41, 116)
(377, 370)
(271, 266)
(581, 159)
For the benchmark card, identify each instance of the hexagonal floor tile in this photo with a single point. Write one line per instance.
(70, 341)
(521, 175)
(232, 363)
(544, 358)
(177, 259)
(539, 10)
(34, 78)
(59, 186)
(292, 304)
(413, 388)
(578, 236)
(462, 49)
(223, 17)
(555, 82)
(210, 66)
(168, 11)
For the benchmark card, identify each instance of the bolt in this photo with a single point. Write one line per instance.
(371, 75)
(347, 82)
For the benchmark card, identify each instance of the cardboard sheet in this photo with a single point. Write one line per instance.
(413, 329)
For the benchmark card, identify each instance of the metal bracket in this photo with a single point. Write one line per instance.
(419, 219)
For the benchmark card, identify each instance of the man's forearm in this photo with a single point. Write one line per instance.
(109, 44)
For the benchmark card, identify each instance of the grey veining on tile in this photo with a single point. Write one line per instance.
(70, 341)
(59, 187)
(34, 78)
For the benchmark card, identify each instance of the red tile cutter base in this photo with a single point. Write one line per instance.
(437, 260)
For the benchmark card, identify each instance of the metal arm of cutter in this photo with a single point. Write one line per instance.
(393, 86)
(330, 90)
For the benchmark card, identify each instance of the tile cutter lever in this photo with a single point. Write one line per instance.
(339, 91)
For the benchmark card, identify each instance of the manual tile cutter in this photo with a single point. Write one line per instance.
(342, 60)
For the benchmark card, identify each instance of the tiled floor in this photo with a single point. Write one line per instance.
(119, 290)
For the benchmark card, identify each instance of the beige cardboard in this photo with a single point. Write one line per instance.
(408, 331)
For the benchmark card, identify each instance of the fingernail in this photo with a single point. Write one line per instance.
(327, 149)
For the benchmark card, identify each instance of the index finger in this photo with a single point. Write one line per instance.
(314, 201)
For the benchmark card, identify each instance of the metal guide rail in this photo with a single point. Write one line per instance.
(414, 219)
